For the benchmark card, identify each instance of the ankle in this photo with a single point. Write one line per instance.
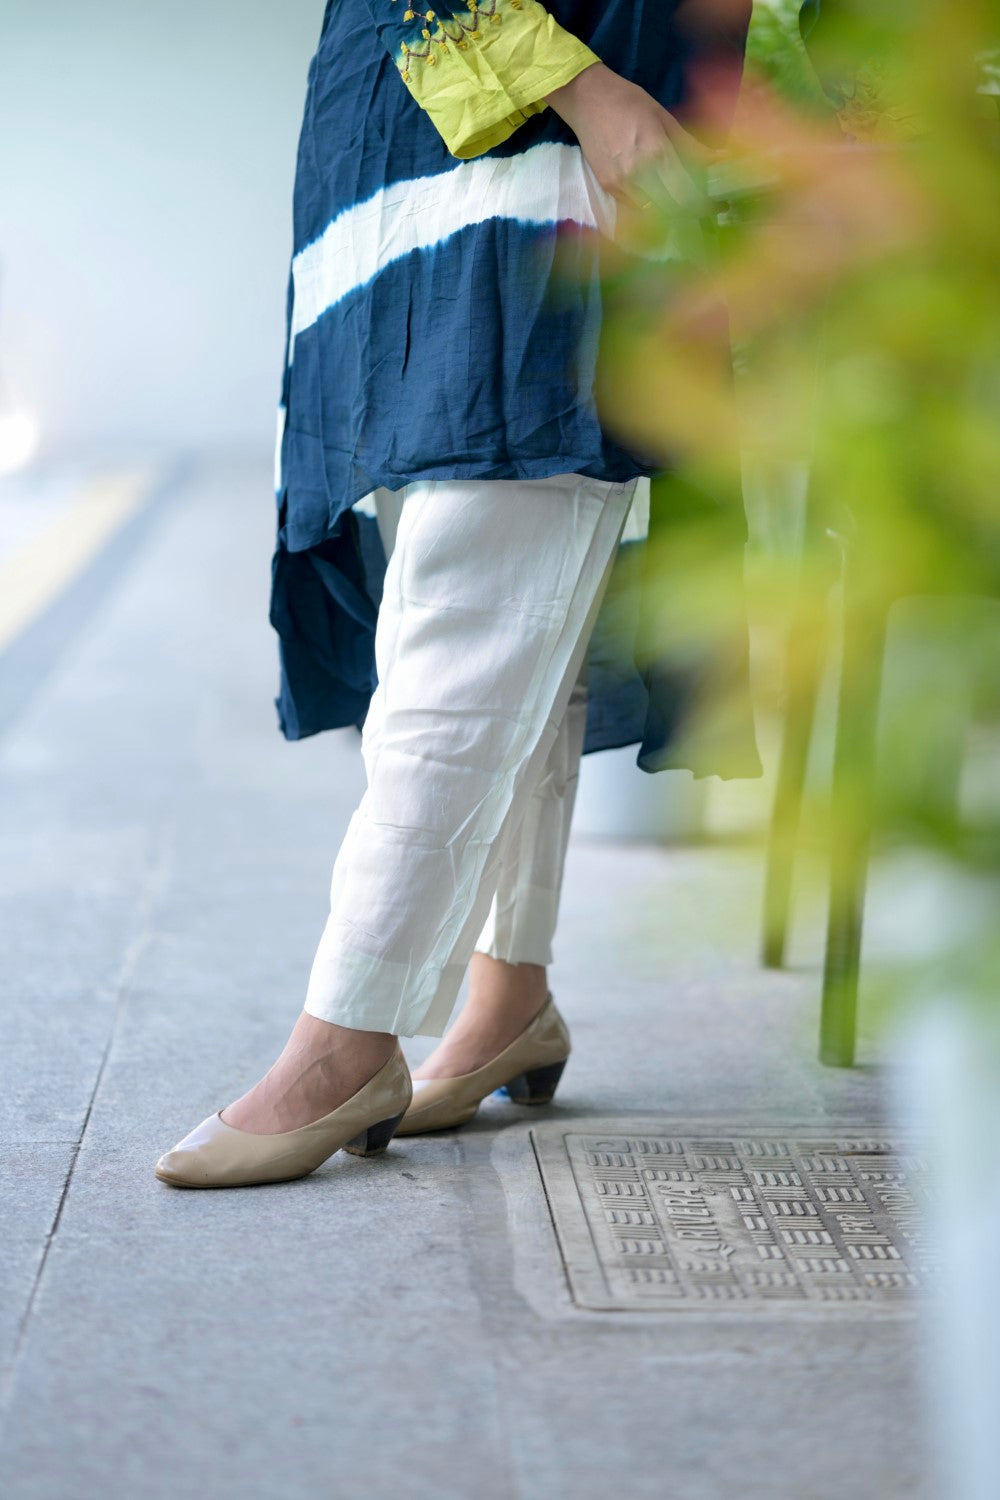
(515, 989)
(321, 1066)
(344, 1045)
(504, 999)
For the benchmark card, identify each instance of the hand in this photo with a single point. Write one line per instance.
(634, 146)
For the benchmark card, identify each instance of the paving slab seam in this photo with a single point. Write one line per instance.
(22, 1331)
(130, 961)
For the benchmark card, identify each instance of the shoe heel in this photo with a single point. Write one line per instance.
(537, 1085)
(374, 1140)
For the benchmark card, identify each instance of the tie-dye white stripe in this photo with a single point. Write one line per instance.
(548, 184)
(279, 439)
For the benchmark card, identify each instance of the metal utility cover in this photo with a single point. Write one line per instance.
(656, 1215)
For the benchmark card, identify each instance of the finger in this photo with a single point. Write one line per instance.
(688, 146)
(686, 185)
(637, 194)
(663, 181)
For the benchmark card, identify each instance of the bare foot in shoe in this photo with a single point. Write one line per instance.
(321, 1067)
(503, 1000)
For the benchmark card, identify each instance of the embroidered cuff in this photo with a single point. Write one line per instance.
(482, 68)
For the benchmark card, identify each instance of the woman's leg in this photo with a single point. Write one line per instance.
(490, 595)
(522, 919)
(508, 982)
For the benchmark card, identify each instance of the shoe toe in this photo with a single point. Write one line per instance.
(174, 1166)
(189, 1163)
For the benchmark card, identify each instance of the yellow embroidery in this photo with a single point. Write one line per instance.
(488, 78)
(443, 35)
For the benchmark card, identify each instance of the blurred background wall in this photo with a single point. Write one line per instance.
(147, 154)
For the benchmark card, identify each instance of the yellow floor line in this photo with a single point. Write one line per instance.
(35, 575)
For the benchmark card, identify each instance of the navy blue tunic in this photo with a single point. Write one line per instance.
(444, 322)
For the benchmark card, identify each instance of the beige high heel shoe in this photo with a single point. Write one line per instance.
(528, 1070)
(217, 1155)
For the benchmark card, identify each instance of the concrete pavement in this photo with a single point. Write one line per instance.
(401, 1326)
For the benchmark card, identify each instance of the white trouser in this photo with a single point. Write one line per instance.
(471, 745)
(522, 919)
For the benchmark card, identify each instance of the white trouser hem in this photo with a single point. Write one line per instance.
(363, 993)
(521, 932)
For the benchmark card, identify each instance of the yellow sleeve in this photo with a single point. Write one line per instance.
(480, 68)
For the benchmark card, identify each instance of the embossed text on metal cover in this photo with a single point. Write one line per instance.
(659, 1215)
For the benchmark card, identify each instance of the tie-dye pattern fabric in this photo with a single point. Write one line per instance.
(444, 320)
